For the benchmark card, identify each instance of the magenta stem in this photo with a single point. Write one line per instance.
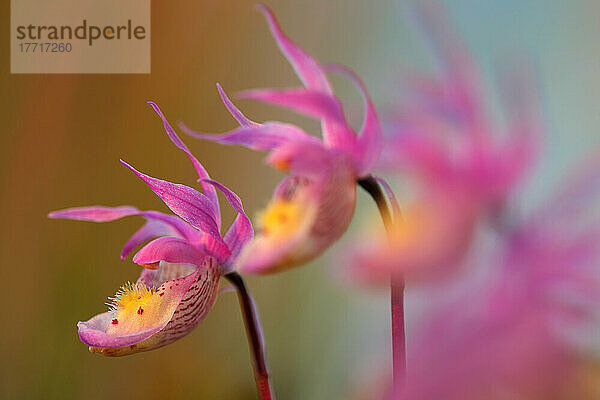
(397, 293)
(398, 335)
(255, 336)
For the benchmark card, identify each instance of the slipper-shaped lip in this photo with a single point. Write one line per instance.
(93, 331)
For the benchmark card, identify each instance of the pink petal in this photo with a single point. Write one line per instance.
(309, 102)
(267, 136)
(327, 206)
(487, 350)
(107, 214)
(215, 248)
(335, 134)
(183, 228)
(370, 141)
(169, 249)
(158, 224)
(148, 231)
(191, 205)
(336, 131)
(239, 233)
(462, 81)
(429, 243)
(579, 190)
(95, 213)
(202, 174)
(262, 256)
(233, 110)
(307, 68)
(241, 230)
(416, 150)
(308, 159)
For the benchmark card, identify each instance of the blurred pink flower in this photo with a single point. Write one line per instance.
(528, 329)
(179, 284)
(462, 165)
(433, 233)
(311, 208)
(443, 132)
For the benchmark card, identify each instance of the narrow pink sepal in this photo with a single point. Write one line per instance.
(307, 68)
(107, 214)
(305, 101)
(200, 170)
(233, 110)
(335, 133)
(461, 86)
(95, 213)
(191, 205)
(370, 139)
(241, 230)
(267, 136)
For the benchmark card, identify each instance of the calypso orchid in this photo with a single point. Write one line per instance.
(443, 132)
(527, 330)
(182, 267)
(313, 206)
(464, 167)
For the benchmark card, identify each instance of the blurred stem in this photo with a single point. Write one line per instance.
(397, 291)
(254, 334)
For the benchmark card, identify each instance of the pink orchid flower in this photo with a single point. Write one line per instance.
(313, 206)
(432, 234)
(526, 331)
(487, 346)
(443, 131)
(183, 263)
(463, 166)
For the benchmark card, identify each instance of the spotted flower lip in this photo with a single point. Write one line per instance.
(313, 207)
(442, 130)
(184, 259)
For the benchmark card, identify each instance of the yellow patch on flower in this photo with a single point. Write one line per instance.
(413, 227)
(282, 165)
(136, 307)
(281, 219)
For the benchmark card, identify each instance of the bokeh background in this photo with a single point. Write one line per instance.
(63, 136)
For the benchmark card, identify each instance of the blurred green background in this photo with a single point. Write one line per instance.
(63, 136)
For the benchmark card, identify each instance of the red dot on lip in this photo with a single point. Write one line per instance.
(140, 311)
(115, 321)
